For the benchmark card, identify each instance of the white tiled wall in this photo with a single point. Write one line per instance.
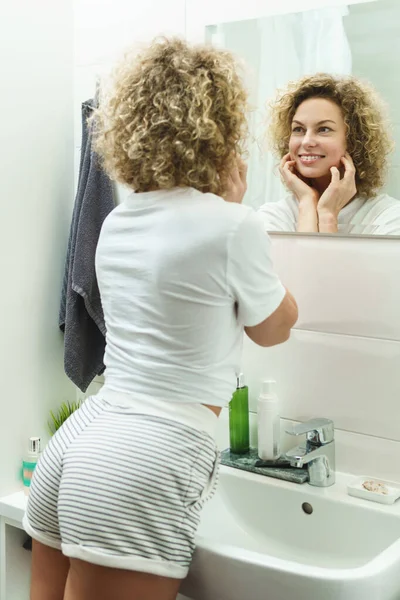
(343, 358)
(352, 380)
(347, 286)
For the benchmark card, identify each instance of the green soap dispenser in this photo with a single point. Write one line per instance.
(239, 429)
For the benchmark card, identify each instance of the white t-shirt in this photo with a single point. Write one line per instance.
(376, 216)
(180, 274)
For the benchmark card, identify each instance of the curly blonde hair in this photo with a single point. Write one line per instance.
(175, 115)
(368, 138)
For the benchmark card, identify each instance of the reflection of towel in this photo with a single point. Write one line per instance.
(81, 314)
(328, 49)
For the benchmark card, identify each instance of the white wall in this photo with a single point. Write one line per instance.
(36, 171)
(373, 33)
(103, 29)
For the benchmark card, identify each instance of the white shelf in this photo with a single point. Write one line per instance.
(13, 507)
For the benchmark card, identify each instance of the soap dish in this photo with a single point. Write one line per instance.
(357, 489)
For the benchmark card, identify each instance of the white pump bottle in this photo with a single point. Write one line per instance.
(268, 422)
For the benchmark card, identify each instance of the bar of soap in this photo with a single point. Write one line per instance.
(375, 490)
(375, 486)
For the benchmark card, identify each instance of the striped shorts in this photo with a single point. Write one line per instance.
(120, 488)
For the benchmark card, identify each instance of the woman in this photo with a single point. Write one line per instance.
(333, 142)
(183, 269)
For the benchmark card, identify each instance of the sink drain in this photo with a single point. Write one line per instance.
(307, 508)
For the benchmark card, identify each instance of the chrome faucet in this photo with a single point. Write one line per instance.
(318, 452)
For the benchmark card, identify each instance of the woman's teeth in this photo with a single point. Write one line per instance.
(310, 158)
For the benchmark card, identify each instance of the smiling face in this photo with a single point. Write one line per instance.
(318, 138)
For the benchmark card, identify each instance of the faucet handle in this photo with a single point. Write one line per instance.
(319, 431)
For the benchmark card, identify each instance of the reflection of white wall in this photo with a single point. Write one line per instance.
(373, 32)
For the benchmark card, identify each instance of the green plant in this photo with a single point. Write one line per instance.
(58, 417)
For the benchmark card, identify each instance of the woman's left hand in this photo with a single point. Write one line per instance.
(338, 193)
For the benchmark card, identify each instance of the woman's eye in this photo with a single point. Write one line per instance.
(324, 129)
(297, 129)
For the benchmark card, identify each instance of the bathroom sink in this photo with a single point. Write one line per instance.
(266, 539)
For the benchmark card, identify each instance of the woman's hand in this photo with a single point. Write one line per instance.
(338, 193)
(236, 182)
(306, 195)
(295, 183)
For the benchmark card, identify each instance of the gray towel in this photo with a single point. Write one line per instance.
(81, 314)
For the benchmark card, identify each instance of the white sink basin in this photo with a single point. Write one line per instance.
(255, 542)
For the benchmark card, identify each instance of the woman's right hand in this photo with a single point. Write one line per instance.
(306, 195)
(302, 191)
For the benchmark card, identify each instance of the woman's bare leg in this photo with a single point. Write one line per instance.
(49, 573)
(86, 582)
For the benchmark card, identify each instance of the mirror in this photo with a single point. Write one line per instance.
(360, 41)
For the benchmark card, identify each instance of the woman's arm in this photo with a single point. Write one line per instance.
(308, 216)
(277, 327)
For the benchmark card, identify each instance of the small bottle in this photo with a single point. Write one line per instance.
(268, 422)
(239, 429)
(29, 462)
